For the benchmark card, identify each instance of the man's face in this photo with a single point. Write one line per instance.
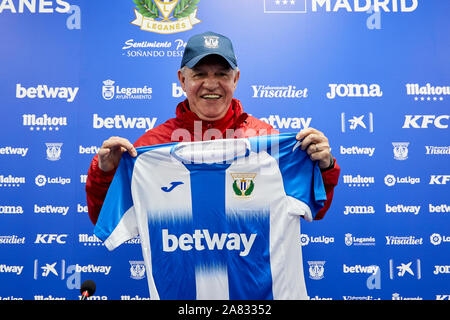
(209, 87)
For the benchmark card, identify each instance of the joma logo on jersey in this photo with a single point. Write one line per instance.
(243, 184)
(165, 16)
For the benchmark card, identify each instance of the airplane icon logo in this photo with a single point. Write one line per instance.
(49, 268)
(405, 268)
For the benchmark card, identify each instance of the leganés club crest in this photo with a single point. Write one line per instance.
(165, 16)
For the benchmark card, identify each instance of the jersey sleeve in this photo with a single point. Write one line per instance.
(302, 179)
(117, 220)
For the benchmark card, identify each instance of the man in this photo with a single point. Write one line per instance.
(209, 76)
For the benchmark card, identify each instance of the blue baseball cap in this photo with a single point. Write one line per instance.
(205, 44)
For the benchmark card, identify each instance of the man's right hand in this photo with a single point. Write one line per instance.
(111, 151)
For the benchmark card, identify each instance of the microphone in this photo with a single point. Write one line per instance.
(87, 289)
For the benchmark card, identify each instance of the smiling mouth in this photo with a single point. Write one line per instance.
(211, 96)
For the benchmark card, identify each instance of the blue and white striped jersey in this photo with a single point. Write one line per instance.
(217, 219)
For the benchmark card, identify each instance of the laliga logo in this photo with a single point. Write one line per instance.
(42, 180)
(167, 16)
(390, 180)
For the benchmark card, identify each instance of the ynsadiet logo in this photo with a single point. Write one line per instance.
(290, 91)
(166, 16)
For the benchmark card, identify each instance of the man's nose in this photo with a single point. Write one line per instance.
(210, 83)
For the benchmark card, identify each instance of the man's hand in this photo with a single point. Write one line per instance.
(111, 151)
(316, 145)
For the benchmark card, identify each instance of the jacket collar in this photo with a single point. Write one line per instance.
(233, 119)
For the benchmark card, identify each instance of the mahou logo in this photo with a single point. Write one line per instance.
(43, 123)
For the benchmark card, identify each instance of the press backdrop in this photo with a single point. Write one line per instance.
(372, 75)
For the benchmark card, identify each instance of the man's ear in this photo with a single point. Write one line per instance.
(236, 78)
(182, 79)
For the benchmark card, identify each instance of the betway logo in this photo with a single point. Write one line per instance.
(88, 150)
(360, 269)
(357, 150)
(400, 208)
(91, 268)
(51, 209)
(285, 123)
(433, 208)
(187, 242)
(43, 91)
(120, 121)
(12, 150)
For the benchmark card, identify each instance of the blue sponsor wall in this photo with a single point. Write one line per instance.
(373, 77)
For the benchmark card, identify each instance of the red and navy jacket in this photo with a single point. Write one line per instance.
(239, 125)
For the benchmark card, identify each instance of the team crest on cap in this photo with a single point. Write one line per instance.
(166, 16)
(211, 42)
(243, 184)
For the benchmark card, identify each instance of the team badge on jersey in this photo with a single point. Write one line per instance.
(243, 184)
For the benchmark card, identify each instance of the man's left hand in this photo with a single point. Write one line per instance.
(316, 145)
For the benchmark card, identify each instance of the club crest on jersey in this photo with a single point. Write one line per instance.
(243, 184)
(165, 16)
